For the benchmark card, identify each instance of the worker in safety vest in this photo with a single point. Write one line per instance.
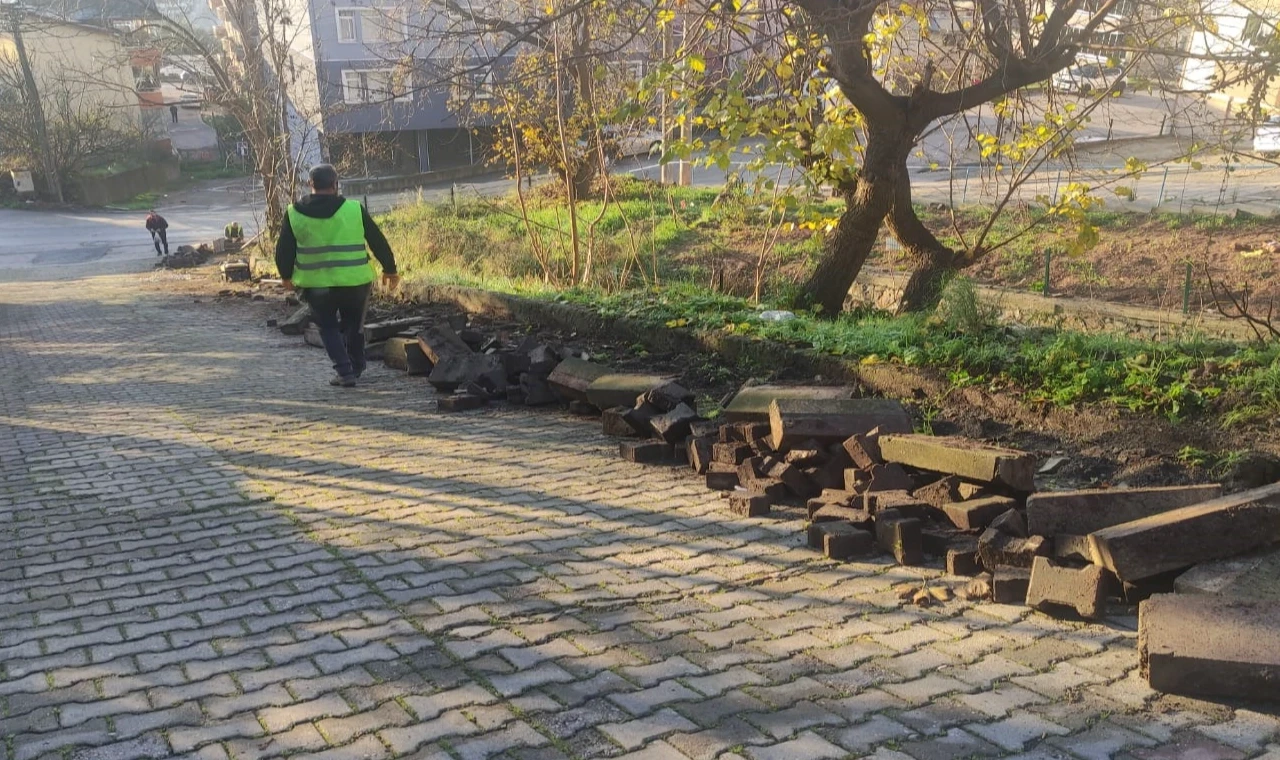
(321, 253)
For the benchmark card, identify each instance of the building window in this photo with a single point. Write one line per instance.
(483, 84)
(375, 86)
(347, 24)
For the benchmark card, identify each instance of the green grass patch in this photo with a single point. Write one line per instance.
(199, 172)
(141, 201)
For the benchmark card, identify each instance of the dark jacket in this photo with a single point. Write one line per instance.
(323, 207)
(156, 222)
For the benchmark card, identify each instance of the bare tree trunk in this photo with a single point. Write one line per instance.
(866, 206)
(935, 263)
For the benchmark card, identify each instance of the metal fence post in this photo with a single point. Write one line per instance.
(1186, 292)
(964, 194)
(1164, 181)
(366, 201)
(1048, 260)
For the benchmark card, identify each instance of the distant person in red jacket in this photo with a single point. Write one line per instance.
(158, 227)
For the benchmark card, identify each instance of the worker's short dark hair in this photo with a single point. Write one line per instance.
(324, 177)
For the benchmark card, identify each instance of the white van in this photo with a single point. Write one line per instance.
(1266, 137)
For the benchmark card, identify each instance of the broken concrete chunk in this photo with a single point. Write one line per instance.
(998, 549)
(1207, 646)
(455, 370)
(794, 421)
(1009, 584)
(1216, 529)
(1053, 586)
(979, 513)
(571, 378)
(674, 425)
(1011, 523)
(668, 396)
(543, 360)
(536, 391)
(751, 402)
(963, 457)
(888, 477)
(297, 322)
(1080, 513)
(439, 341)
(973, 491)
(615, 423)
(647, 452)
(796, 481)
(619, 389)
(940, 492)
(746, 504)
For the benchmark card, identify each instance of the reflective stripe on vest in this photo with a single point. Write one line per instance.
(331, 252)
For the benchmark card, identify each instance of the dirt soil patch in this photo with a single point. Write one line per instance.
(1112, 449)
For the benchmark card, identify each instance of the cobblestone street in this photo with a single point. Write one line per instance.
(207, 551)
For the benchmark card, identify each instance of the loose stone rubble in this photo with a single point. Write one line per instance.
(869, 485)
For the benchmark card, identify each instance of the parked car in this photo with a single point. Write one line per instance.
(624, 144)
(1089, 78)
(1266, 137)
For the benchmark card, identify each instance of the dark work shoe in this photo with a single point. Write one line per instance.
(345, 382)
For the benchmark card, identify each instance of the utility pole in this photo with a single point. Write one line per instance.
(32, 97)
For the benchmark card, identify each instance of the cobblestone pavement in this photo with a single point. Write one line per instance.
(207, 551)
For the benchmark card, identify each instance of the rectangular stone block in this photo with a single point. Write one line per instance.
(1208, 646)
(751, 402)
(571, 378)
(732, 453)
(721, 477)
(794, 421)
(1072, 547)
(864, 449)
(841, 541)
(978, 513)
(1009, 584)
(378, 331)
(746, 504)
(960, 456)
(456, 370)
(1216, 529)
(963, 561)
(699, 448)
(1053, 586)
(940, 493)
(1080, 513)
(619, 389)
(900, 536)
(647, 452)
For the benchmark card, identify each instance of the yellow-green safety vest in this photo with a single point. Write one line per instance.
(331, 252)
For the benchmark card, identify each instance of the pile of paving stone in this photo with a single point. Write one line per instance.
(869, 485)
(186, 257)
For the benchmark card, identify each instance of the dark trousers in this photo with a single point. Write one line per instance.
(339, 313)
(158, 237)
